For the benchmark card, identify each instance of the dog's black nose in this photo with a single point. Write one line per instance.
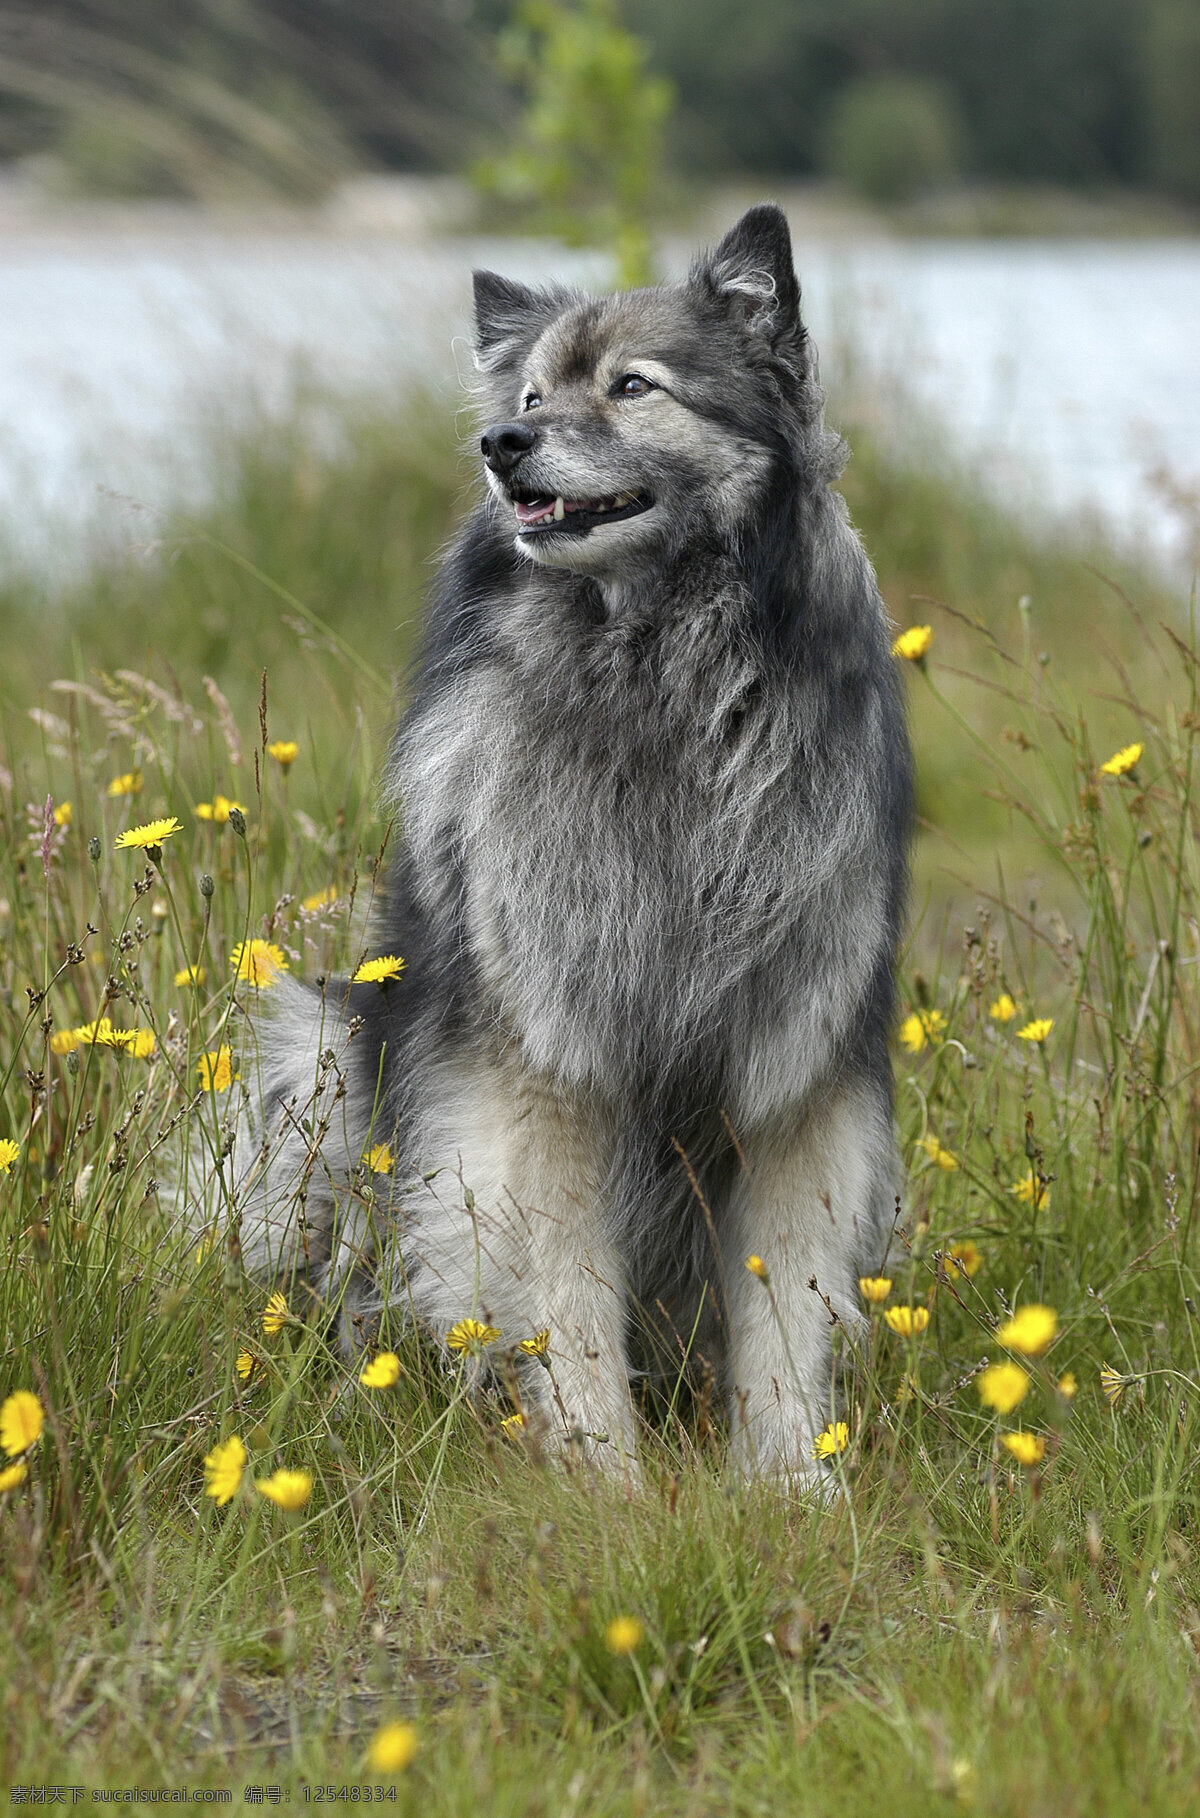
(505, 443)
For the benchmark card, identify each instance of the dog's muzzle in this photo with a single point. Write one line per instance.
(541, 514)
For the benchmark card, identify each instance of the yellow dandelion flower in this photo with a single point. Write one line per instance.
(285, 752)
(13, 1475)
(380, 1159)
(1027, 1448)
(907, 1322)
(920, 1028)
(9, 1151)
(190, 975)
(129, 784)
(758, 1267)
(64, 1041)
(944, 1158)
(874, 1287)
(392, 1749)
(513, 1425)
(1037, 1030)
(914, 643)
(963, 1259)
(538, 1345)
(1002, 1386)
(145, 839)
(275, 1315)
(1068, 1386)
(258, 962)
(320, 899)
(223, 1469)
(1113, 1384)
(963, 1776)
(471, 1335)
(1031, 1330)
(1003, 1009)
(624, 1635)
(286, 1489)
(912, 1033)
(379, 971)
(245, 1363)
(216, 1069)
(22, 1418)
(1123, 761)
(383, 1371)
(1028, 1189)
(218, 810)
(138, 1042)
(833, 1440)
(99, 1034)
(63, 814)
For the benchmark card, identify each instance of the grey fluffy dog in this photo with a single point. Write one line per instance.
(655, 789)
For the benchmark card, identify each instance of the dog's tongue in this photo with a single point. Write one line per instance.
(533, 514)
(545, 508)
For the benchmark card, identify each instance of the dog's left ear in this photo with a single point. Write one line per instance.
(752, 275)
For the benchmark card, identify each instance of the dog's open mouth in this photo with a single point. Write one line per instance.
(537, 514)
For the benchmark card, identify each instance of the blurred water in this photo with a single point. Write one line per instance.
(1064, 374)
(1067, 374)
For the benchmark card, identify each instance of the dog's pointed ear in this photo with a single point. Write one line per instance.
(751, 273)
(509, 317)
(502, 308)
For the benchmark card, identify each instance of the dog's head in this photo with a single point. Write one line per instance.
(622, 428)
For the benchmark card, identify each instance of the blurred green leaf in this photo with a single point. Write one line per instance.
(586, 155)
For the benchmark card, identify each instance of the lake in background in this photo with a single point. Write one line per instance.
(1063, 374)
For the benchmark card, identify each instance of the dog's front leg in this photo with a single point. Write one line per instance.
(573, 1275)
(523, 1236)
(809, 1205)
(579, 1397)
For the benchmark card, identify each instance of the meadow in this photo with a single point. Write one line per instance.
(1001, 1610)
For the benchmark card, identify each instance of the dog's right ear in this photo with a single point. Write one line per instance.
(509, 317)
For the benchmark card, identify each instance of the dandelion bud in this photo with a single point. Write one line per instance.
(206, 886)
(237, 820)
(72, 1063)
(94, 849)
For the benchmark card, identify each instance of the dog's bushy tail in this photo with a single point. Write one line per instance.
(278, 1148)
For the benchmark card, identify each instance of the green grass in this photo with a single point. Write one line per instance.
(957, 1632)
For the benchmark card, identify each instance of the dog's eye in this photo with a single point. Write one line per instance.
(532, 401)
(633, 386)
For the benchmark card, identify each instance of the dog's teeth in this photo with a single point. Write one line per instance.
(559, 511)
(622, 499)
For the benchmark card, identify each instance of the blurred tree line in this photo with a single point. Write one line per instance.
(1065, 91)
(196, 97)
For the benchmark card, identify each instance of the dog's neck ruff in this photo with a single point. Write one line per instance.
(634, 824)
